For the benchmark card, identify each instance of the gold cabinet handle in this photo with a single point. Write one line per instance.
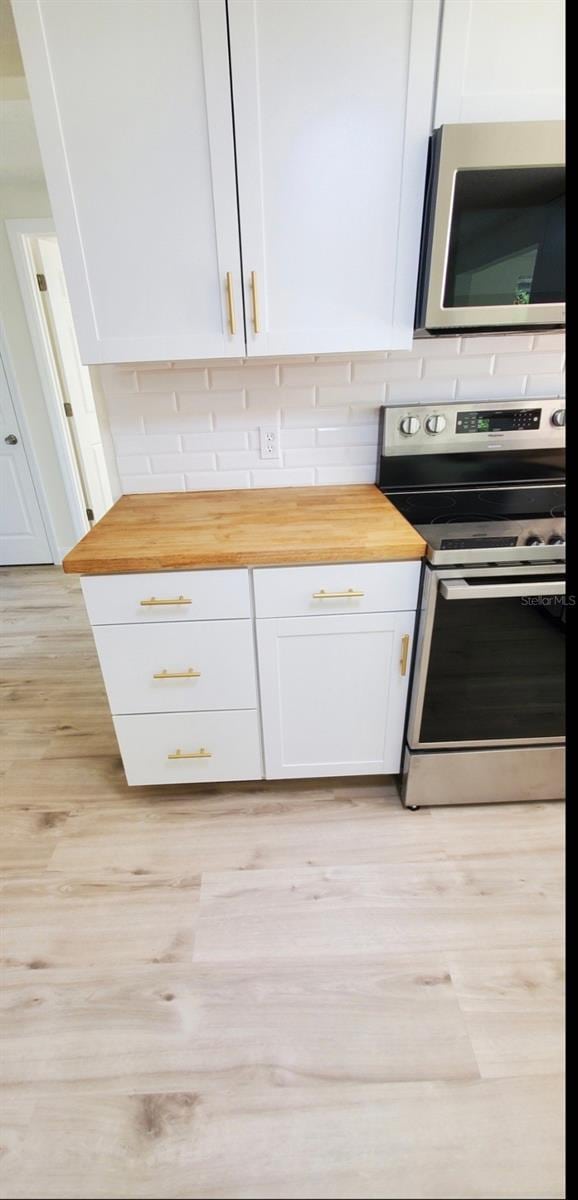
(200, 753)
(323, 595)
(404, 654)
(190, 674)
(231, 305)
(255, 299)
(172, 600)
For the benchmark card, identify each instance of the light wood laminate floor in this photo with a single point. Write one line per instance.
(259, 990)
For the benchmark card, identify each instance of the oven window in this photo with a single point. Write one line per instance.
(496, 670)
(507, 239)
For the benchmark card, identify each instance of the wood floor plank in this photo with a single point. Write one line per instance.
(439, 1140)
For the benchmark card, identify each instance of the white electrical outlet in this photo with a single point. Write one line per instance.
(270, 441)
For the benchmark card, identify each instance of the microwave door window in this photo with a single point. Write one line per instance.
(507, 238)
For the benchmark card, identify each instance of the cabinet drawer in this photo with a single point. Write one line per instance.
(220, 746)
(177, 596)
(342, 589)
(178, 668)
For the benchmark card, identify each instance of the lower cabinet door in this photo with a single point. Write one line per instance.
(334, 693)
(202, 747)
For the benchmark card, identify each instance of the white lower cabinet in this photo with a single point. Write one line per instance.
(186, 667)
(333, 693)
(179, 660)
(203, 747)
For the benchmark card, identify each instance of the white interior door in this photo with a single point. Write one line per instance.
(22, 534)
(332, 103)
(333, 693)
(75, 381)
(132, 105)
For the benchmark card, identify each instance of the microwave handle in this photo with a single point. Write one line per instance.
(458, 589)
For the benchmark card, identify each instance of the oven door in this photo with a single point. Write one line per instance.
(490, 658)
(495, 227)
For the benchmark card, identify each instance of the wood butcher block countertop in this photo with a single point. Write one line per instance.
(171, 531)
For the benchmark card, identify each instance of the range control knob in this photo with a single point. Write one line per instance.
(435, 424)
(410, 425)
(534, 539)
(556, 539)
(559, 417)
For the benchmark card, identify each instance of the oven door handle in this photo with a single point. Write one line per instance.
(458, 589)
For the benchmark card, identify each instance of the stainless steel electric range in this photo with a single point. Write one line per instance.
(485, 486)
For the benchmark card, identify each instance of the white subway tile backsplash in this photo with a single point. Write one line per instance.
(417, 391)
(347, 435)
(224, 378)
(232, 440)
(448, 367)
(318, 373)
(153, 483)
(551, 341)
(164, 463)
(431, 347)
(295, 397)
(227, 460)
(115, 379)
(133, 464)
(283, 478)
(546, 385)
(184, 380)
(492, 387)
(176, 422)
(528, 364)
(506, 343)
(345, 474)
(149, 443)
(356, 393)
(202, 481)
(380, 372)
(194, 426)
(311, 418)
(210, 402)
(327, 456)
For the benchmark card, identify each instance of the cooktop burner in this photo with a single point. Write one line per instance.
(439, 507)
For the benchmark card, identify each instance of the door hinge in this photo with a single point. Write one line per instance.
(90, 514)
(68, 408)
(42, 284)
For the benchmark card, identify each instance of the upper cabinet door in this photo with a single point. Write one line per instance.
(501, 60)
(333, 104)
(133, 111)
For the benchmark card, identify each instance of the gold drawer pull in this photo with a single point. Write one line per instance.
(231, 305)
(404, 654)
(173, 600)
(201, 753)
(190, 674)
(323, 595)
(255, 299)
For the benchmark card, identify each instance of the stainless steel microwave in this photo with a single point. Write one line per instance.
(493, 242)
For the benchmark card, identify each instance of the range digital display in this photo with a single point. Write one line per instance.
(498, 421)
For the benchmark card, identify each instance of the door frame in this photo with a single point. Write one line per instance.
(19, 233)
(31, 459)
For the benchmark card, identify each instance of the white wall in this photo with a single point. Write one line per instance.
(191, 426)
(23, 194)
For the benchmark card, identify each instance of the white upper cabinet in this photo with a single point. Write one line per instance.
(318, 190)
(501, 60)
(333, 103)
(132, 105)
